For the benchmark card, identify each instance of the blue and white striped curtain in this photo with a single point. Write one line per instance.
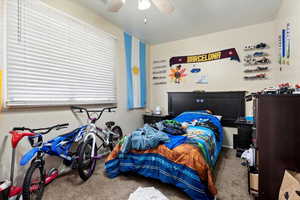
(135, 51)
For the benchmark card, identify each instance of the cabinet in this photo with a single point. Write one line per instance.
(278, 140)
(243, 139)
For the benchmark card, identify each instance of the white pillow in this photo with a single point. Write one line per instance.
(218, 116)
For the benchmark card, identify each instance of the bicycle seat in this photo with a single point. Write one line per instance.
(110, 124)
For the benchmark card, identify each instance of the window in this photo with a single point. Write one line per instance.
(55, 59)
(1, 35)
(1, 51)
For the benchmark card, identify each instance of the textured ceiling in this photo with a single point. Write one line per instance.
(190, 18)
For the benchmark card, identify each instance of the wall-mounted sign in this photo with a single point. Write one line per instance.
(160, 83)
(159, 72)
(195, 70)
(160, 67)
(227, 53)
(159, 61)
(203, 80)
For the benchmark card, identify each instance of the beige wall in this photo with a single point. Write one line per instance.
(223, 75)
(289, 13)
(128, 120)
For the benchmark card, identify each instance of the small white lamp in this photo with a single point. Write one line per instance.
(144, 4)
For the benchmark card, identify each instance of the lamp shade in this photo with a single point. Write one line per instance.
(144, 4)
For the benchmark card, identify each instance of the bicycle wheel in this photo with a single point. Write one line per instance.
(34, 183)
(74, 162)
(86, 164)
(115, 138)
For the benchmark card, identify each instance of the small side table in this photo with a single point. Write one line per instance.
(152, 119)
(243, 139)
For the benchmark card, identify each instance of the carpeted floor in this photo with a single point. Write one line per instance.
(231, 180)
(231, 177)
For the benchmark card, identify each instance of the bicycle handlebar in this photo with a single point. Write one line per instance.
(100, 111)
(47, 130)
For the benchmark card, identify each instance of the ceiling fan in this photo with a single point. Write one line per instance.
(165, 6)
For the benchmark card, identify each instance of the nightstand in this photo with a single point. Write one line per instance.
(152, 119)
(243, 139)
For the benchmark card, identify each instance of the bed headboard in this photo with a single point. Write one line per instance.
(230, 105)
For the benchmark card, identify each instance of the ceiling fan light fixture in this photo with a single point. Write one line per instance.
(144, 4)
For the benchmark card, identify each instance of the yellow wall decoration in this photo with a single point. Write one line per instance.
(135, 70)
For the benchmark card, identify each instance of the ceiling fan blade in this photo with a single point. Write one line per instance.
(115, 5)
(164, 6)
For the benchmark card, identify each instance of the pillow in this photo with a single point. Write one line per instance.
(204, 111)
(209, 112)
(218, 116)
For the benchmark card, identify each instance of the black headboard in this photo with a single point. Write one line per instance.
(230, 105)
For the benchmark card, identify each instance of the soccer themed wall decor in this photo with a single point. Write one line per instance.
(179, 71)
(227, 53)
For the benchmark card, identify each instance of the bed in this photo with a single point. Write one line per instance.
(188, 166)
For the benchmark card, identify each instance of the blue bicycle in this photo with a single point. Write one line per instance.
(36, 178)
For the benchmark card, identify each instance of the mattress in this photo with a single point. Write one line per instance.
(188, 166)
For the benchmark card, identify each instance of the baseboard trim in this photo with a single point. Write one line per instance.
(227, 146)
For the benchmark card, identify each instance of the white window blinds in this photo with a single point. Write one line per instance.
(54, 59)
(1, 41)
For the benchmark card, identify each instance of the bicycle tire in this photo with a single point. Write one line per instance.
(117, 130)
(74, 162)
(82, 166)
(27, 184)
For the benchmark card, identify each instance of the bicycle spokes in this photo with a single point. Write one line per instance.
(87, 157)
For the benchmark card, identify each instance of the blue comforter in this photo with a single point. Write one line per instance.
(169, 166)
(204, 137)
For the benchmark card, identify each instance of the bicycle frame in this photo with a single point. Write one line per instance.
(92, 134)
(59, 146)
(92, 129)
